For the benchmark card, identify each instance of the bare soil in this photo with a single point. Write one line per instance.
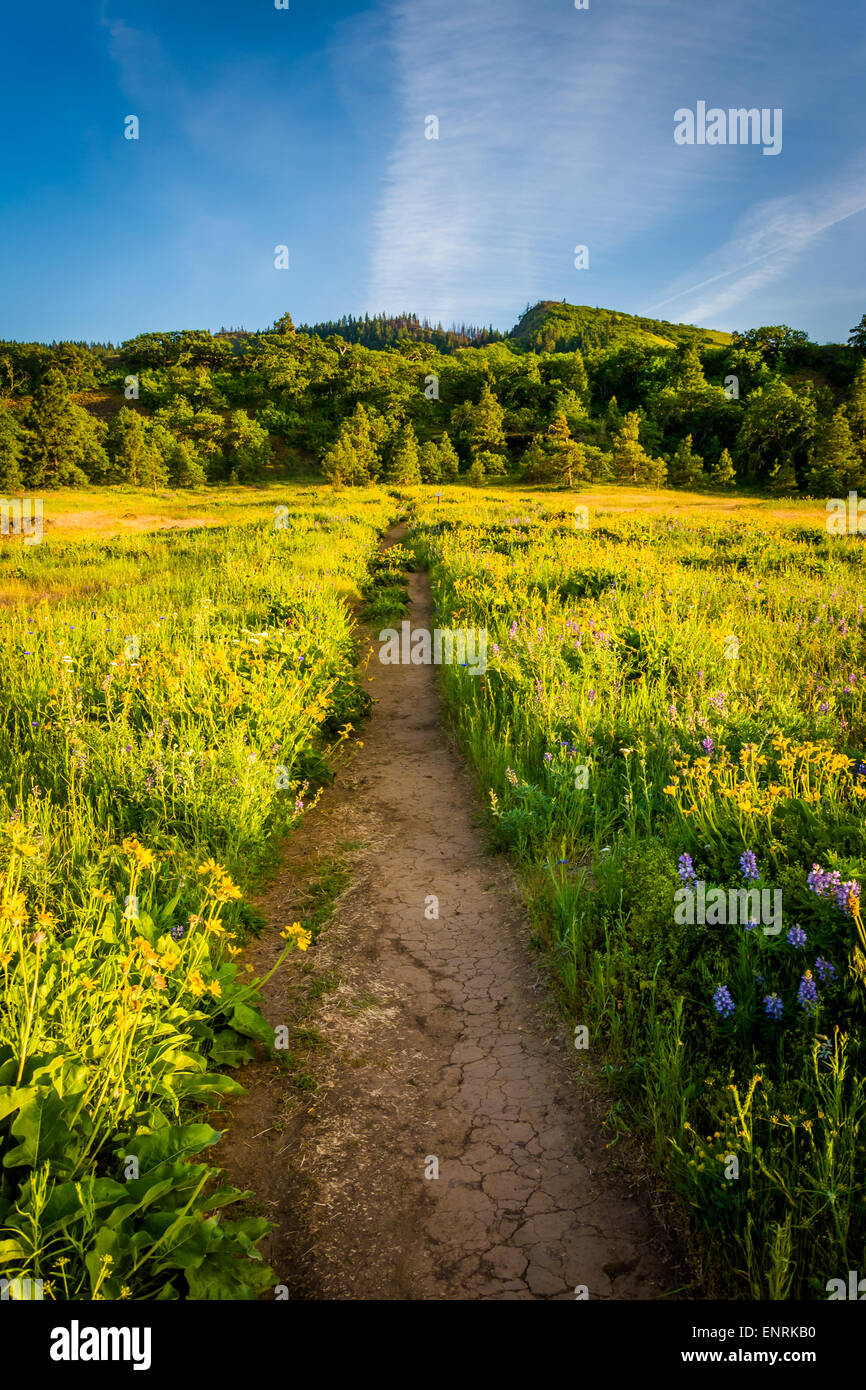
(440, 1054)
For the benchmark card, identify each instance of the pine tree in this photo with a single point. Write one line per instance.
(360, 439)
(723, 475)
(338, 464)
(184, 468)
(613, 419)
(11, 480)
(689, 371)
(126, 446)
(62, 443)
(630, 460)
(834, 464)
(857, 411)
(567, 459)
(687, 467)
(431, 471)
(536, 464)
(475, 476)
(485, 432)
(405, 466)
(449, 463)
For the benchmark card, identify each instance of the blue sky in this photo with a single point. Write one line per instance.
(306, 127)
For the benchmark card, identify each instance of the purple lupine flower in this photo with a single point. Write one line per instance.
(797, 937)
(722, 1002)
(748, 865)
(177, 933)
(708, 746)
(773, 1007)
(826, 970)
(687, 870)
(828, 884)
(808, 993)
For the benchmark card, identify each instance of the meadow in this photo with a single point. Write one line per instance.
(672, 699)
(670, 702)
(170, 703)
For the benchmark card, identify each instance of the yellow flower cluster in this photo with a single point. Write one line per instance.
(220, 887)
(296, 933)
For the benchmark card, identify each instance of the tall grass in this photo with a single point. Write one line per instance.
(168, 705)
(659, 688)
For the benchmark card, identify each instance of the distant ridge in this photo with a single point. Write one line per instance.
(552, 326)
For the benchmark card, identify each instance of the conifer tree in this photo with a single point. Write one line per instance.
(724, 475)
(485, 432)
(449, 463)
(687, 467)
(126, 446)
(11, 480)
(428, 456)
(62, 443)
(834, 464)
(631, 462)
(405, 465)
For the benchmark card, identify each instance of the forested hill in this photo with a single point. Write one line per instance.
(552, 326)
(386, 330)
(640, 401)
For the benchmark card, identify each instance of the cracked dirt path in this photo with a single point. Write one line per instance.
(438, 1048)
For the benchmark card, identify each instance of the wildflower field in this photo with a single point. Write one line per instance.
(673, 713)
(669, 738)
(169, 704)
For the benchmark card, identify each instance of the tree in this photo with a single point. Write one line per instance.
(485, 431)
(612, 419)
(567, 458)
(723, 475)
(405, 465)
(62, 443)
(428, 457)
(857, 409)
(283, 324)
(835, 463)
(184, 468)
(689, 370)
(127, 447)
(475, 476)
(339, 463)
(247, 448)
(449, 463)
(535, 463)
(10, 454)
(630, 460)
(857, 336)
(687, 467)
(777, 431)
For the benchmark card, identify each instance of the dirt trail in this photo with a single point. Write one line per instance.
(438, 1049)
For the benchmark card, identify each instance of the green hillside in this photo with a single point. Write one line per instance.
(552, 326)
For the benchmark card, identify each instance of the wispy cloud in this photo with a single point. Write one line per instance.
(555, 129)
(768, 242)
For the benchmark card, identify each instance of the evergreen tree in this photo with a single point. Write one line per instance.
(856, 410)
(835, 464)
(184, 468)
(283, 324)
(449, 463)
(687, 467)
(631, 462)
(127, 447)
(431, 471)
(689, 371)
(338, 464)
(485, 432)
(536, 465)
(612, 419)
(405, 466)
(567, 458)
(723, 475)
(359, 436)
(11, 480)
(62, 443)
(475, 476)
(857, 336)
